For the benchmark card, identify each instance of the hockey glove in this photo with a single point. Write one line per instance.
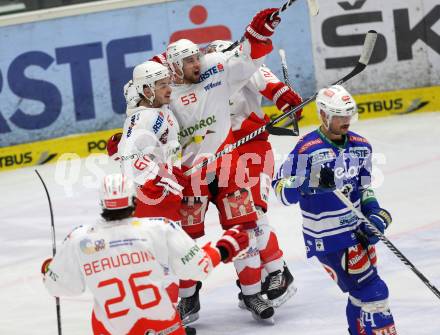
(45, 266)
(326, 182)
(160, 197)
(262, 27)
(112, 146)
(381, 219)
(286, 98)
(232, 242)
(181, 178)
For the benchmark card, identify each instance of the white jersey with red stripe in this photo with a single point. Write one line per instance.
(246, 104)
(150, 137)
(124, 264)
(202, 109)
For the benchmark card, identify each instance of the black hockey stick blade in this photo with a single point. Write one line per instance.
(280, 131)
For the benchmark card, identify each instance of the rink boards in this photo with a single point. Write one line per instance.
(376, 105)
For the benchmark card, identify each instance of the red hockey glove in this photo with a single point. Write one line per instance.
(233, 241)
(182, 179)
(160, 197)
(45, 266)
(112, 145)
(160, 58)
(262, 27)
(285, 98)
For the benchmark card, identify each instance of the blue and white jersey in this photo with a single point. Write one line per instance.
(328, 225)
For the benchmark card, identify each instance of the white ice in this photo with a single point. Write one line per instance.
(410, 190)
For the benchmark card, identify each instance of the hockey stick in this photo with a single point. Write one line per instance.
(386, 241)
(279, 11)
(293, 120)
(367, 50)
(54, 248)
(313, 7)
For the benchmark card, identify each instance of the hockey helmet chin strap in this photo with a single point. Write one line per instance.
(153, 96)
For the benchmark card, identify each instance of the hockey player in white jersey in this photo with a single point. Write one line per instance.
(149, 148)
(200, 100)
(247, 116)
(124, 261)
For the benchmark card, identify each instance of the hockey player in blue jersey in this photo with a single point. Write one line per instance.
(329, 158)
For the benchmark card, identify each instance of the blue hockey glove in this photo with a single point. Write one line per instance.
(381, 219)
(326, 182)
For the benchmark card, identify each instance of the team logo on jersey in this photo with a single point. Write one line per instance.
(158, 123)
(211, 71)
(309, 144)
(193, 210)
(319, 245)
(198, 126)
(195, 250)
(133, 120)
(359, 152)
(322, 156)
(212, 85)
(164, 137)
(360, 139)
(356, 259)
(89, 247)
(348, 219)
(238, 204)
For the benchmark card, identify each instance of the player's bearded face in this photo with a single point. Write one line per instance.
(339, 125)
(191, 69)
(162, 92)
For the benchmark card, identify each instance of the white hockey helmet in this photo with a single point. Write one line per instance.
(116, 192)
(336, 101)
(218, 45)
(179, 50)
(147, 74)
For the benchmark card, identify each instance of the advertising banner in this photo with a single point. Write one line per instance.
(373, 105)
(407, 52)
(66, 75)
(379, 104)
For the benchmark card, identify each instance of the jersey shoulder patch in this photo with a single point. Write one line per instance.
(308, 141)
(353, 137)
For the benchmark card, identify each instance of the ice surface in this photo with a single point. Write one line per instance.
(410, 190)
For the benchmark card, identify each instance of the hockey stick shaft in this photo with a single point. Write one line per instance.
(54, 248)
(386, 241)
(313, 7)
(280, 10)
(293, 119)
(367, 50)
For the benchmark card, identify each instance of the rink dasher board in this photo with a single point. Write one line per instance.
(372, 105)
